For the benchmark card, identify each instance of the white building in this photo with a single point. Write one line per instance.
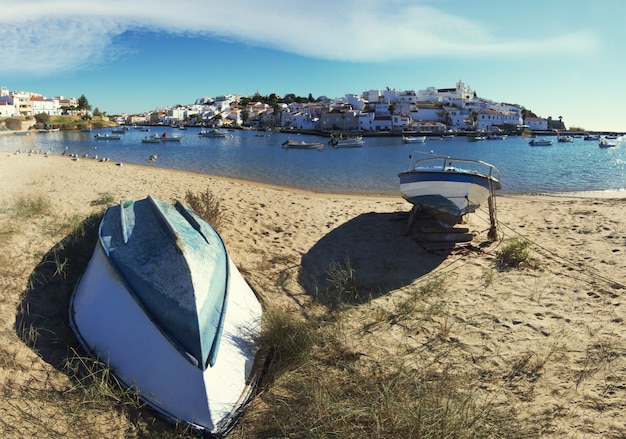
(44, 105)
(536, 123)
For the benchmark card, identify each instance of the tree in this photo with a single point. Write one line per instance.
(83, 103)
(42, 118)
(96, 112)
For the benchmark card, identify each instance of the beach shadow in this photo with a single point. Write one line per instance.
(377, 252)
(42, 323)
(41, 320)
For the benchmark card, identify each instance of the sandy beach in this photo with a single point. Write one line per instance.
(546, 343)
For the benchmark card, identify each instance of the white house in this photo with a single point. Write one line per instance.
(489, 119)
(44, 105)
(536, 123)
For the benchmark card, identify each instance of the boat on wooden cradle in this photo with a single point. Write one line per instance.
(347, 142)
(413, 139)
(163, 304)
(448, 188)
(295, 144)
(540, 142)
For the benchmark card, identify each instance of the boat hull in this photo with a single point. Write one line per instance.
(117, 326)
(446, 191)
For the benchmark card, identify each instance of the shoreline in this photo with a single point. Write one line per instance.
(607, 193)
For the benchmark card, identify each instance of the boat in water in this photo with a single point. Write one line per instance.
(604, 143)
(151, 139)
(540, 142)
(164, 306)
(448, 188)
(100, 136)
(295, 144)
(413, 139)
(212, 133)
(347, 142)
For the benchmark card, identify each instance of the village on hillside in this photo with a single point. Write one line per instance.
(432, 110)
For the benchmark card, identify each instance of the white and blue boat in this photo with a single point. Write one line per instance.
(163, 305)
(448, 188)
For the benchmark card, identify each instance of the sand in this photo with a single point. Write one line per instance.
(548, 342)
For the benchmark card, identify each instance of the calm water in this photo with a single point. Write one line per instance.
(373, 168)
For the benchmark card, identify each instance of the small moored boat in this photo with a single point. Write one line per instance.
(212, 133)
(448, 188)
(413, 139)
(101, 136)
(163, 304)
(540, 142)
(604, 143)
(347, 142)
(294, 144)
(151, 139)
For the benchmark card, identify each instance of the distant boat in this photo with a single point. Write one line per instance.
(448, 188)
(604, 143)
(100, 136)
(413, 139)
(478, 138)
(151, 139)
(294, 144)
(540, 142)
(212, 133)
(592, 137)
(565, 139)
(165, 307)
(347, 142)
(21, 133)
(497, 136)
(174, 138)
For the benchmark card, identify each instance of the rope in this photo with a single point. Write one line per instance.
(556, 256)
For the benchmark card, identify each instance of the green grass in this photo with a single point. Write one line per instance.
(516, 255)
(31, 206)
(207, 206)
(318, 387)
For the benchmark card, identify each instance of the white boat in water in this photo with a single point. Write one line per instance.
(212, 133)
(604, 143)
(448, 188)
(163, 304)
(540, 142)
(347, 142)
(101, 136)
(413, 139)
(151, 139)
(295, 144)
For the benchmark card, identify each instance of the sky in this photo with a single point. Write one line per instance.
(559, 58)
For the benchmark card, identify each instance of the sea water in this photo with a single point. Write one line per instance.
(370, 169)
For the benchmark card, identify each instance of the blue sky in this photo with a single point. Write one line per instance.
(556, 58)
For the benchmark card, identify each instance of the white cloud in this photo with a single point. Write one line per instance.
(51, 35)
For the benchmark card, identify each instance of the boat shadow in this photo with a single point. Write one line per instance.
(41, 319)
(42, 323)
(365, 258)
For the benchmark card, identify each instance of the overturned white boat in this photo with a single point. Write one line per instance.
(162, 303)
